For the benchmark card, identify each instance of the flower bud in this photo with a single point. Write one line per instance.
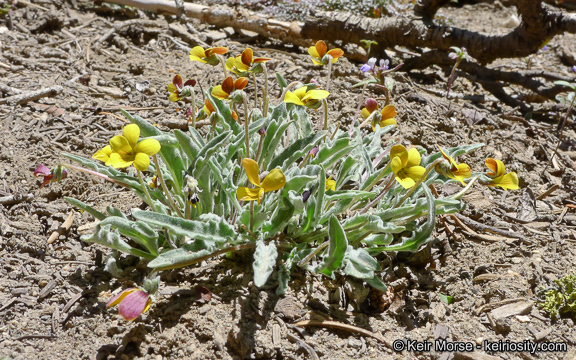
(371, 105)
(262, 130)
(313, 151)
(306, 195)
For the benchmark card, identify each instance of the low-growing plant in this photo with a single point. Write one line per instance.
(328, 201)
(562, 300)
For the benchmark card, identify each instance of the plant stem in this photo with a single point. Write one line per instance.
(165, 188)
(255, 91)
(329, 76)
(457, 196)
(313, 253)
(265, 94)
(422, 178)
(259, 151)
(251, 216)
(193, 109)
(246, 123)
(223, 65)
(351, 129)
(325, 108)
(146, 193)
(95, 173)
(380, 196)
(452, 77)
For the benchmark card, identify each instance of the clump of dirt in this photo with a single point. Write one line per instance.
(494, 264)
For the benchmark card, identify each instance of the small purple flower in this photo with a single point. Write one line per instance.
(133, 302)
(574, 68)
(369, 66)
(262, 131)
(453, 56)
(544, 48)
(384, 64)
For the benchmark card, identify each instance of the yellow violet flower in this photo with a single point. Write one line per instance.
(330, 184)
(386, 115)
(103, 154)
(405, 165)
(126, 150)
(499, 177)
(454, 170)
(228, 86)
(209, 109)
(208, 56)
(275, 180)
(320, 50)
(245, 63)
(308, 98)
(177, 86)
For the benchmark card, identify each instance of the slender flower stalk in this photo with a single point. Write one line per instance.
(255, 90)
(265, 94)
(95, 173)
(145, 189)
(252, 216)
(329, 76)
(223, 65)
(325, 108)
(246, 123)
(165, 188)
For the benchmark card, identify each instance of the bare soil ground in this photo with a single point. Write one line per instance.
(53, 296)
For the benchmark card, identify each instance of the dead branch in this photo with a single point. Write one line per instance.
(32, 95)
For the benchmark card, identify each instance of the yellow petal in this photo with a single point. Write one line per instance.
(120, 144)
(330, 184)
(171, 88)
(293, 99)
(219, 93)
(131, 133)
(316, 62)
(387, 122)
(496, 166)
(413, 158)
(275, 180)
(148, 146)
(246, 194)
(198, 53)
(141, 161)
(118, 161)
(463, 170)
(365, 113)
(335, 53)
(316, 95)
(173, 97)
(118, 299)
(396, 164)
(230, 63)
(252, 171)
(103, 154)
(400, 152)
(148, 303)
(404, 180)
(507, 182)
(240, 65)
(312, 51)
(414, 172)
(388, 112)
